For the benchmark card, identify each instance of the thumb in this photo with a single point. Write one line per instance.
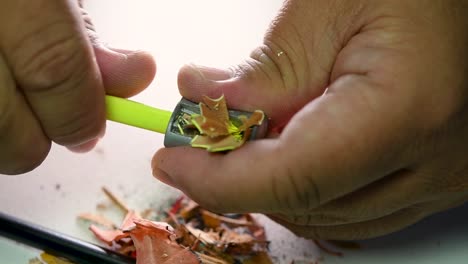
(124, 72)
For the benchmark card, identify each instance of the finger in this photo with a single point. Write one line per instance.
(234, 185)
(423, 183)
(124, 73)
(375, 227)
(23, 144)
(53, 63)
(357, 231)
(392, 193)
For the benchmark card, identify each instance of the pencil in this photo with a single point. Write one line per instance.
(58, 244)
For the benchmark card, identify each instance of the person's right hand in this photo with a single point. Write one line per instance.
(53, 77)
(373, 98)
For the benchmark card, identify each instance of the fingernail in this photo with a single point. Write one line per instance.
(135, 55)
(126, 51)
(85, 147)
(163, 176)
(105, 54)
(209, 73)
(131, 55)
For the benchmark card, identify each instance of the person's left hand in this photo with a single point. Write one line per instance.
(54, 74)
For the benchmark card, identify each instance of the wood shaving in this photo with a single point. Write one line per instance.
(117, 201)
(97, 219)
(189, 235)
(217, 131)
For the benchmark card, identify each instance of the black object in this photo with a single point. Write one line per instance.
(58, 244)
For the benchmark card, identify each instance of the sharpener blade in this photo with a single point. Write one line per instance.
(177, 134)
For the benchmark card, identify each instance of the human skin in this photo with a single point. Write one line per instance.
(54, 73)
(368, 102)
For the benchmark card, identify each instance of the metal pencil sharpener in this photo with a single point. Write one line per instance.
(179, 134)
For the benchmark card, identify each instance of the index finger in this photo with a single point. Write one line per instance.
(46, 47)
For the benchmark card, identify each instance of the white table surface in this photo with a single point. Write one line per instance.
(210, 32)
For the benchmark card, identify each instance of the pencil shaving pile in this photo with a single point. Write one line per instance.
(190, 235)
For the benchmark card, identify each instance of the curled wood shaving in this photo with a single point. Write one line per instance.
(152, 242)
(155, 243)
(232, 238)
(217, 131)
(97, 219)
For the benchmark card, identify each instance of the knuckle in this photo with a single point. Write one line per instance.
(320, 218)
(7, 97)
(311, 192)
(78, 128)
(53, 65)
(293, 189)
(6, 112)
(301, 191)
(277, 64)
(21, 168)
(26, 162)
(55, 59)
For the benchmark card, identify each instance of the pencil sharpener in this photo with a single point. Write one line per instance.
(179, 134)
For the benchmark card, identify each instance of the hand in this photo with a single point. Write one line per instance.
(373, 98)
(53, 77)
